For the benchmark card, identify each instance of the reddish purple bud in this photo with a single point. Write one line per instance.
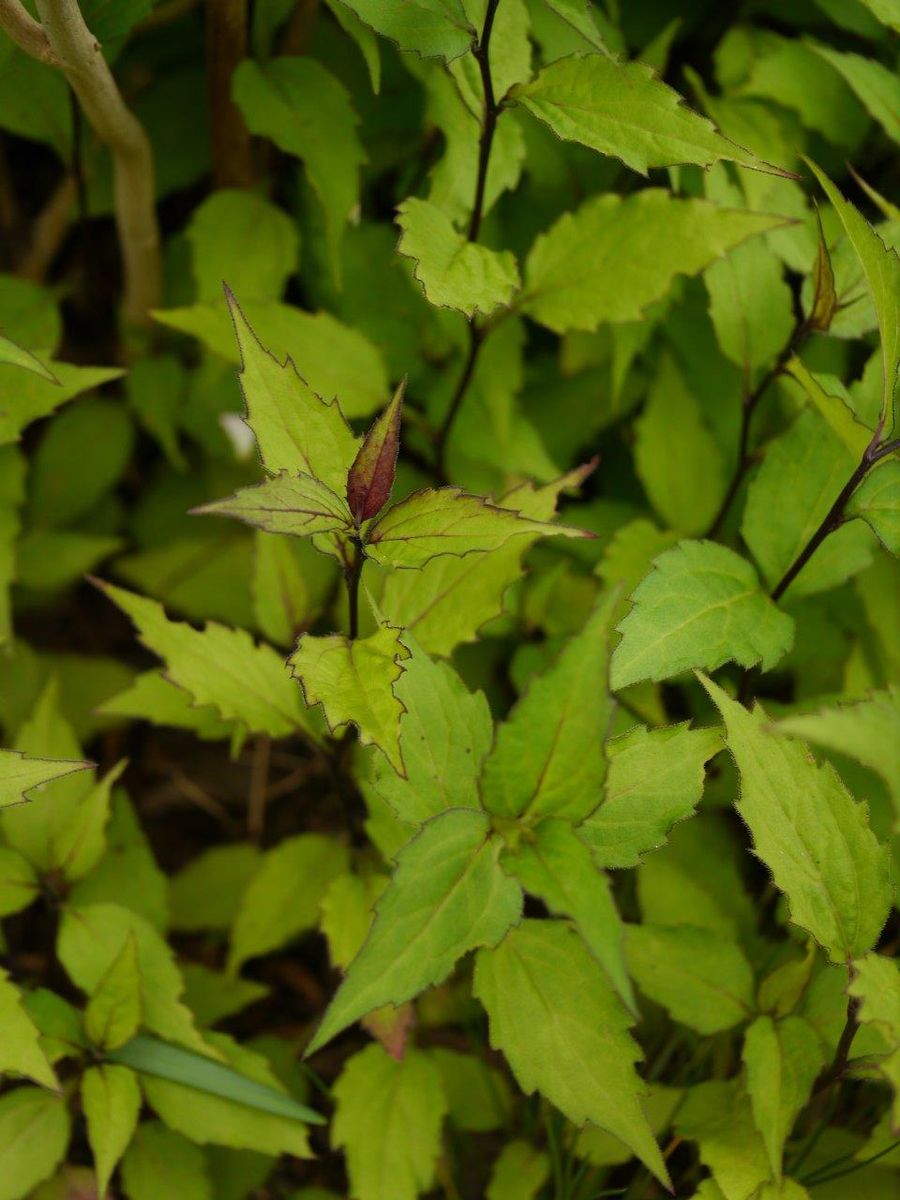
(370, 479)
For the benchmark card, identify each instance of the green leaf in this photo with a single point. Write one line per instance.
(833, 408)
(447, 896)
(887, 11)
(882, 271)
(128, 873)
(623, 109)
(347, 909)
(700, 606)
(59, 1024)
(430, 28)
(371, 474)
(864, 729)
(21, 773)
(603, 1149)
(655, 778)
(156, 389)
(454, 272)
(18, 356)
(333, 360)
(702, 978)
(671, 891)
(750, 304)
(81, 843)
(115, 1010)
(582, 1060)
(447, 520)
(282, 896)
(643, 241)
(295, 429)
(445, 732)
(212, 995)
(810, 832)
(306, 111)
(27, 396)
(556, 866)
(160, 1162)
(548, 758)
(34, 829)
(580, 14)
(519, 1172)
(717, 1116)
(782, 1060)
(220, 667)
(449, 599)
(458, 118)
(97, 433)
(219, 232)
(152, 697)
(291, 584)
(206, 893)
(478, 1096)
(294, 504)
(34, 1133)
(875, 985)
(111, 1100)
(20, 1049)
(801, 475)
(19, 882)
(388, 1123)
(362, 35)
(676, 456)
(354, 682)
(876, 86)
(823, 303)
(877, 501)
(90, 940)
(241, 1079)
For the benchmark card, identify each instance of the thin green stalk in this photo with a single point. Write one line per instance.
(814, 1180)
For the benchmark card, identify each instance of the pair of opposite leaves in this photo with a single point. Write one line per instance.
(409, 533)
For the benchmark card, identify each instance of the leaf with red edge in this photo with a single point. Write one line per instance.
(370, 479)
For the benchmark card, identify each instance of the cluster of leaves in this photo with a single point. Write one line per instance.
(593, 816)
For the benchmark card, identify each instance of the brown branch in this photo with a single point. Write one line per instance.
(26, 32)
(80, 57)
(259, 787)
(164, 14)
(226, 49)
(48, 232)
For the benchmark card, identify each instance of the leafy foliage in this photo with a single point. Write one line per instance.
(449, 701)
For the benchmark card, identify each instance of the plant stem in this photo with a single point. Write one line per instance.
(26, 32)
(481, 52)
(352, 576)
(748, 406)
(226, 48)
(842, 1053)
(816, 1178)
(79, 54)
(476, 337)
(489, 123)
(873, 453)
(259, 787)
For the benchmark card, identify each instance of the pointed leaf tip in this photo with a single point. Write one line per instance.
(371, 477)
